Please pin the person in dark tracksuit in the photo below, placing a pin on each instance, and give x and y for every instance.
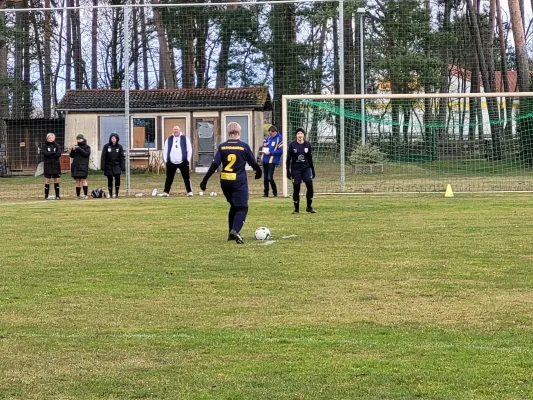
(300, 168)
(233, 154)
(79, 169)
(52, 166)
(113, 163)
(272, 152)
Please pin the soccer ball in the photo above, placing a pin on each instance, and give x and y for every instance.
(262, 233)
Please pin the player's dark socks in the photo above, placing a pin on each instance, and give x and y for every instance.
(46, 190)
(240, 217)
(309, 194)
(296, 207)
(231, 217)
(116, 190)
(85, 190)
(78, 191)
(56, 188)
(110, 191)
(236, 236)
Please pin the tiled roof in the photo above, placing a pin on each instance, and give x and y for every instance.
(467, 74)
(256, 97)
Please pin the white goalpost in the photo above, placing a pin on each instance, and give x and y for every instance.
(415, 142)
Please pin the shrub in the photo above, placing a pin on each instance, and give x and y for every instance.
(367, 154)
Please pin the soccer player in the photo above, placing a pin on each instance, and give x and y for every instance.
(300, 168)
(233, 154)
(52, 167)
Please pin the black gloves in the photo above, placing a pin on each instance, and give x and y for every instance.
(258, 173)
(203, 185)
(313, 172)
(186, 162)
(289, 175)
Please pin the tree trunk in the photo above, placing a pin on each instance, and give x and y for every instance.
(164, 51)
(144, 46)
(68, 47)
(520, 46)
(505, 79)
(40, 62)
(135, 46)
(487, 83)
(4, 100)
(283, 26)
(76, 47)
(202, 23)
(27, 104)
(223, 58)
(94, 47)
(187, 55)
(526, 124)
(47, 89)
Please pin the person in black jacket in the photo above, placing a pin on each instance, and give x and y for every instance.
(52, 167)
(113, 163)
(300, 168)
(79, 168)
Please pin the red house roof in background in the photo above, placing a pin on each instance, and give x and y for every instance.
(512, 77)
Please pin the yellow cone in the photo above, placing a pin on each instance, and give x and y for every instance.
(449, 191)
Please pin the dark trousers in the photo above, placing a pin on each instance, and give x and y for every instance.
(171, 172)
(110, 183)
(268, 178)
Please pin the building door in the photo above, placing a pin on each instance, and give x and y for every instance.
(206, 138)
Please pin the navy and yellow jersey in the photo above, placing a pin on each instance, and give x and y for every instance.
(299, 156)
(234, 155)
(275, 146)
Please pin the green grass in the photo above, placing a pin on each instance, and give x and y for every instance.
(413, 297)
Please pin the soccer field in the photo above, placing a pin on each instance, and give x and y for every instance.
(373, 297)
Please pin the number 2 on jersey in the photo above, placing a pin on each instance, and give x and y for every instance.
(231, 160)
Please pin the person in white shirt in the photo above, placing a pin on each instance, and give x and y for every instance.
(177, 155)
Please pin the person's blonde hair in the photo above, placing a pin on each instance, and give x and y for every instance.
(234, 128)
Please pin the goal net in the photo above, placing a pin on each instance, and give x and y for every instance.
(476, 142)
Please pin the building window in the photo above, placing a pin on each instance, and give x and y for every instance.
(244, 122)
(110, 124)
(143, 133)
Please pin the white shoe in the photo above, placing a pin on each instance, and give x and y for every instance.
(190, 194)
(51, 198)
(108, 196)
(163, 194)
(154, 192)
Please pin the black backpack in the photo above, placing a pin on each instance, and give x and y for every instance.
(97, 193)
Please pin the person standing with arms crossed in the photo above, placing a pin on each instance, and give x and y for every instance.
(177, 155)
(113, 163)
(80, 165)
(300, 168)
(272, 152)
(233, 154)
(52, 166)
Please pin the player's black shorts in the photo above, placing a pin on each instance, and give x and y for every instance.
(80, 177)
(301, 175)
(238, 196)
(49, 176)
